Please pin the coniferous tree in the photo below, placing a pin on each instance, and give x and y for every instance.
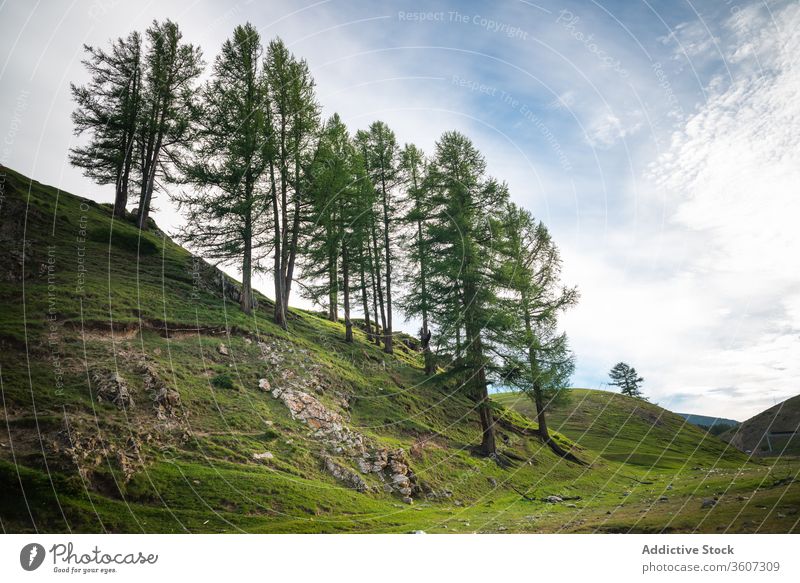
(461, 226)
(226, 217)
(380, 151)
(294, 120)
(418, 300)
(538, 359)
(362, 140)
(108, 108)
(627, 379)
(171, 68)
(331, 186)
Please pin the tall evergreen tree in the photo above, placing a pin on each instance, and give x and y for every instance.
(227, 218)
(627, 379)
(362, 143)
(418, 299)
(171, 68)
(382, 158)
(462, 207)
(108, 108)
(331, 184)
(294, 121)
(538, 357)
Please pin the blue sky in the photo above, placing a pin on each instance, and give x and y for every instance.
(657, 140)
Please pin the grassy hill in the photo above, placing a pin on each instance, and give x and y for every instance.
(619, 428)
(137, 397)
(708, 422)
(773, 432)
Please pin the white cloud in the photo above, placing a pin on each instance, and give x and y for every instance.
(607, 129)
(734, 169)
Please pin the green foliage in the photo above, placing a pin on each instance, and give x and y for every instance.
(627, 379)
(223, 381)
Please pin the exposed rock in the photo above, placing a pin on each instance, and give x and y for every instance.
(553, 499)
(263, 456)
(408, 500)
(264, 385)
(663, 499)
(327, 425)
(223, 350)
(492, 482)
(571, 505)
(112, 387)
(167, 400)
(341, 473)
(399, 479)
(708, 503)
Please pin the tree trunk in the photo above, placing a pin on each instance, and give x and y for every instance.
(533, 366)
(333, 285)
(279, 316)
(121, 198)
(541, 418)
(246, 300)
(291, 256)
(364, 299)
(475, 357)
(377, 267)
(376, 338)
(425, 334)
(387, 331)
(144, 205)
(488, 445)
(348, 324)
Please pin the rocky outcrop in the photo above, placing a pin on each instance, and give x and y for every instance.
(165, 399)
(111, 387)
(390, 466)
(90, 450)
(343, 474)
(327, 425)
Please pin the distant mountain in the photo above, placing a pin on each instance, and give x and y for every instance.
(775, 431)
(706, 421)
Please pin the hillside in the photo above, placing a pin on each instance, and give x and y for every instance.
(773, 432)
(624, 429)
(706, 421)
(137, 397)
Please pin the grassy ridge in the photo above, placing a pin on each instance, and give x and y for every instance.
(85, 296)
(629, 430)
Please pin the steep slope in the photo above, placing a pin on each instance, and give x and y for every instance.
(137, 397)
(775, 431)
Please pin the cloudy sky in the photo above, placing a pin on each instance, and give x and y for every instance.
(657, 140)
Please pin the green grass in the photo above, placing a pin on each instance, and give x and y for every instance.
(619, 428)
(88, 303)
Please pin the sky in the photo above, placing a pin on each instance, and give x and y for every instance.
(658, 141)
